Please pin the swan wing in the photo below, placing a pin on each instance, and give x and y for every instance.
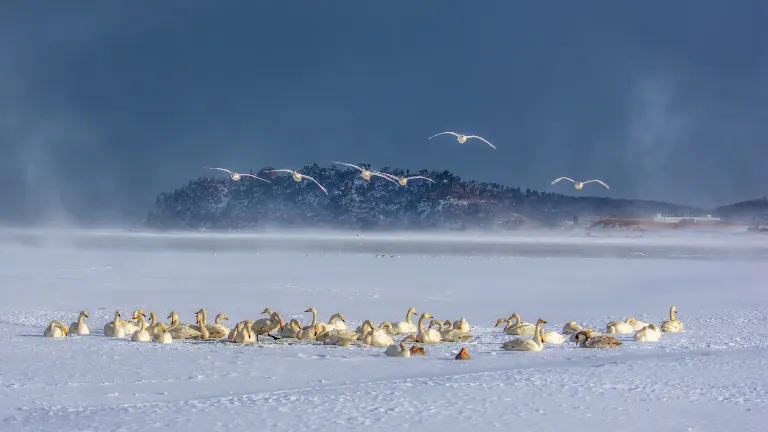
(350, 165)
(481, 139)
(563, 178)
(420, 177)
(597, 181)
(220, 169)
(315, 181)
(256, 177)
(443, 133)
(384, 176)
(283, 170)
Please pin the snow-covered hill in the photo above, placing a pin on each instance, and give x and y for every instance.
(450, 202)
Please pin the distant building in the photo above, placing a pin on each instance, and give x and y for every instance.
(759, 223)
(660, 218)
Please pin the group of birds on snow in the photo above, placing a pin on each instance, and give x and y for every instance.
(366, 174)
(335, 331)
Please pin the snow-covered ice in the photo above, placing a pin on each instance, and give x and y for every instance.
(711, 377)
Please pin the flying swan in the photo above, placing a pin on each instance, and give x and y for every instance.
(463, 138)
(236, 176)
(366, 174)
(298, 176)
(404, 180)
(580, 185)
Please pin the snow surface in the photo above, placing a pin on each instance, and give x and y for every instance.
(712, 377)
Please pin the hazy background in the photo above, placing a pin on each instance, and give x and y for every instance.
(103, 105)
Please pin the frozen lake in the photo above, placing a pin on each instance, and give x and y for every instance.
(711, 377)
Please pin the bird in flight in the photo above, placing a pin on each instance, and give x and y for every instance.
(366, 174)
(404, 180)
(463, 138)
(236, 176)
(580, 185)
(297, 177)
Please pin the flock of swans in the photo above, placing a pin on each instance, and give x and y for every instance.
(336, 332)
(366, 174)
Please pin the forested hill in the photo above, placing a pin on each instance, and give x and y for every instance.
(220, 203)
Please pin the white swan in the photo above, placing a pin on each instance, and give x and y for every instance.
(428, 336)
(79, 327)
(235, 331)
(236, 176)
(552, 338)
(580, 185)
(56, 329)
(571, 327)
(244, 335)
(132, 325)
(114, 329)
(450, 335)
(399, 350)
(520, 344)
(337, 321)
(649, 333)
(673, 325)
(636, 324)
(463, 138)
(264, 326)
(182, 331)
(141, 335)
(378, 337)
(297, 177)
(461, 324)
(520, 328)
(366, 174)
(619, 327)
(289, 330)
(308, 333)
(217, 330)
(404, 180)
(407, 326)
(364, 327)
(340, 338)
(387, 327)
(162, 336)
(203, 330)
(155, 327)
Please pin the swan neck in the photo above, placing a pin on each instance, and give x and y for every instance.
(205, 318)
(80, 319)
(314, 317)
(408, 317)
(279, 319)
(671, 314)
(537, 334)
(116, 322)
(421, 323)
(516, 317)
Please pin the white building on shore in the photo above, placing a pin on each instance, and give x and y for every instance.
(660, 218)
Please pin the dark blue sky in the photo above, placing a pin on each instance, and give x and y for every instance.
(103, 105)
